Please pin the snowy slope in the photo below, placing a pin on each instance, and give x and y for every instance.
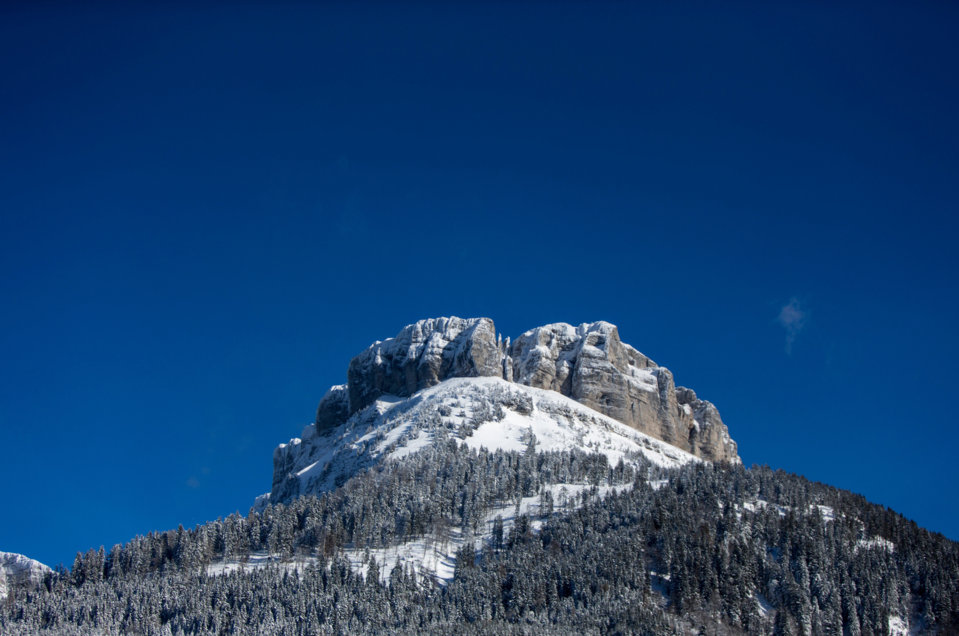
(480, 412)
(16, 569)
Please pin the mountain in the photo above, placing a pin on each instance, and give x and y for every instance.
(17, 570)
(559, 483)
(480, 413)
(572, 387)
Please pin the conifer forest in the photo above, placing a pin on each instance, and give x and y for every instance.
(705, 549)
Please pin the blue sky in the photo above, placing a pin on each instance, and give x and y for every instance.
(206, 210)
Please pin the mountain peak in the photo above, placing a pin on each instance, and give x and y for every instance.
(389, 400)
(588, 363)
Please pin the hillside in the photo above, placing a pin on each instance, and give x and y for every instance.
(701, 548)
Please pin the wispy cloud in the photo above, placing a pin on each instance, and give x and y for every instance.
(793, 317)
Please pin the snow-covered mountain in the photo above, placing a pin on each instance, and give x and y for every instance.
(17, 570)
(559, 483)
(555, 388)
(566, 387)
(486, 413)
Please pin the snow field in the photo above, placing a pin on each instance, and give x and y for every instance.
(486, 413)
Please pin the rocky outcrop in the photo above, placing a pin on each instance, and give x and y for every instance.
(588, 363)
(708, 436)
(334, 408)
(17, 570)
(593, 366)
(423, 355)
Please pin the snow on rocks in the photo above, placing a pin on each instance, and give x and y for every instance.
(587, 363)
(422, 355)
(18, 570)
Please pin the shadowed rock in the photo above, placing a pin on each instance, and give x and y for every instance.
(334, 408)
(423, 355)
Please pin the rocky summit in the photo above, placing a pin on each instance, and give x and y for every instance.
(588, 363)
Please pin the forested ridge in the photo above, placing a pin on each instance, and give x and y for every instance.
(703, 549)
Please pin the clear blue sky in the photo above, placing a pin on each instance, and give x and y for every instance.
(205, 211)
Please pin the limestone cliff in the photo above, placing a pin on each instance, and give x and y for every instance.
(588, 363)
(422, 355)
(593, 366)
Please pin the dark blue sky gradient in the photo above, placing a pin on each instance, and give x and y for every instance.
(205, 212)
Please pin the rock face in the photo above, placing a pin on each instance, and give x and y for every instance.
(17, 570)
(709, 435)
(589, 364)
(334, 408)
(593, 366)
(423, 355)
